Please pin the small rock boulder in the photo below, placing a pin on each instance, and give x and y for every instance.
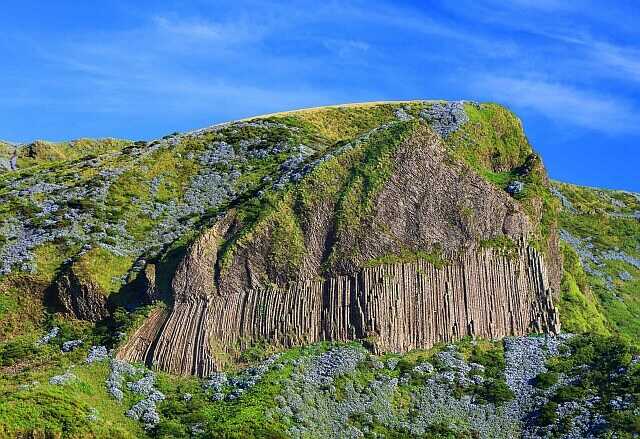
(515, 187)
(84, 300)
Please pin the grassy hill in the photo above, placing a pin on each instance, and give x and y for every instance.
(601, 234)
(101, 210)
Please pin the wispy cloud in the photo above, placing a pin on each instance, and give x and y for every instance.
(560, 102)
(201, 30)
(346, 49)
(194, 58)
(622, 61)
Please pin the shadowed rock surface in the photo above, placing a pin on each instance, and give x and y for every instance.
(80, 298)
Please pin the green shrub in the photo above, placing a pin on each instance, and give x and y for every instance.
(626, 420)
(441, 430)
(404, 366)
(496, 391)
(545, 380)
(16, 350)
(569, 393)
(548, 413)
(170, 428)
(492, 359)
(254, 353)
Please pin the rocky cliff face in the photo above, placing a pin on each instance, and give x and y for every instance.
(83, 299)
(402, 224)
(395, 308)
(437, 254)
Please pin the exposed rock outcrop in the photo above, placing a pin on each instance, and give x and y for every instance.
(427, 202)
(8, 157)
(81, 298)
(146, 284)
(396, 307)
(445, 117)
(178, 341)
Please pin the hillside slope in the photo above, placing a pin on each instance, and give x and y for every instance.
(331, 272)
(601, 232)
(292, 213)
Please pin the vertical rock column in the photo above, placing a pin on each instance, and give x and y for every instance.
(397, 307)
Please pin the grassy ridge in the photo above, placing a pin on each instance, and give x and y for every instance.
(602, 283)
(492, 143)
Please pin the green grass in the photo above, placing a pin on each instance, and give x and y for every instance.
(286, 241)
(41, 152)
(50, 257)
(63, 410)
(579, 309)
(356, 199)
(504, 245)
(343, 123)
(21, 312)
(588, 301)
(492, 141)
(103, 268)
(373, 171)
(273, 221)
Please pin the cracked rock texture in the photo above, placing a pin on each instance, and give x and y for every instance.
(377, 222)
(81, 298)
(427, 202)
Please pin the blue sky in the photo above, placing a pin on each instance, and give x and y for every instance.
(139, 70)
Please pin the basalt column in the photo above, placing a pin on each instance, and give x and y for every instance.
(397, 307)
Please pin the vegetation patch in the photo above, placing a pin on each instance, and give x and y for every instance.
(579, 309)
(434, 257)
(504, 245)
(606, 367)
(493, 144)
(103, 268)
(601, 283)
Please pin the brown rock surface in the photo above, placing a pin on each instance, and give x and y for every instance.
(81, 298)
(428, 202)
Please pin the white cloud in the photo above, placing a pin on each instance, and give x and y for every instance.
(607, 114)
(199, 30)
(621, 60)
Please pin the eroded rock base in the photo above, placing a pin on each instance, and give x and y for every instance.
(395, 307)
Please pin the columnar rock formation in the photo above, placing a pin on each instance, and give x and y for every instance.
(225, 302)
(396, 307)
(321, 264)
